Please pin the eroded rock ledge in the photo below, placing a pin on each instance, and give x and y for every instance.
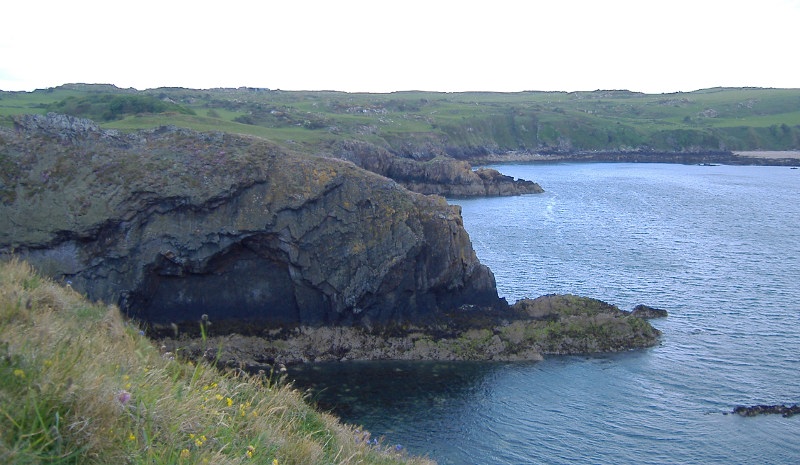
(528, 330)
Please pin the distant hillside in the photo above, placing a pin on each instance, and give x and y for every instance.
(471, 125)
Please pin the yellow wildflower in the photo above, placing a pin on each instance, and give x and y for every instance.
(274, 461)
(218, 397)
(198, 443)
(185, 454)
(229, 401)
(19, 373)
(132, 437)
(250, 451)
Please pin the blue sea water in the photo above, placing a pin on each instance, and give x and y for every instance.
(717, 246)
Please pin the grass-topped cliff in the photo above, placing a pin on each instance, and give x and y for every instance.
(465, 125)
(79, 385)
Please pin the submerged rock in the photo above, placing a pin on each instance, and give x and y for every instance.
(784, 410)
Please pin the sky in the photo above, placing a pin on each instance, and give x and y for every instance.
(651, 46)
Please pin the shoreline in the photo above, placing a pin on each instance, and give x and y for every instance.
(770, 154)
(752, 158)
(528, 331)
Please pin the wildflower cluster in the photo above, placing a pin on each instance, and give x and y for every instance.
(365, 437)
(198, 440)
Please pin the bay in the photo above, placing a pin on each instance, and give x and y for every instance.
(717, 246)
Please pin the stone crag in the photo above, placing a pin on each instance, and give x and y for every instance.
(169, 223)
(440, 175)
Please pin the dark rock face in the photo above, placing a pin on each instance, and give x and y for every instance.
(438, 175)
(172, 224)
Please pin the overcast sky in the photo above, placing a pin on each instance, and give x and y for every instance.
(650, 46)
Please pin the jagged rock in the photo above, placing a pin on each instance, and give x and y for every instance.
(438, 175)
(171, 224)
(54, 124)
(644, 311)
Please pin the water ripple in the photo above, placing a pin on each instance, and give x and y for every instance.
(718, 247)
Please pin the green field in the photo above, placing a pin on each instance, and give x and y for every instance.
(710, 119)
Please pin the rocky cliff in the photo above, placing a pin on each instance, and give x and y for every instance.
(440, 175)
(169, 223)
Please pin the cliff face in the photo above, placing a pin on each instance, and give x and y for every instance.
(440, 175)
(172, 224)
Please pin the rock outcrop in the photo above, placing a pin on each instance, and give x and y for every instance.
(527, 330)
(440, 175)
(570, 324)
(170, 223)
(755, 410)
(647, 312)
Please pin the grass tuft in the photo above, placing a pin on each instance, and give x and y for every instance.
(79, 384)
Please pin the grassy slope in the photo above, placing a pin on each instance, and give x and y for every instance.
(608, 120)
(79, 385)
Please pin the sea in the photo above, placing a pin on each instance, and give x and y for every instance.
(718, 247)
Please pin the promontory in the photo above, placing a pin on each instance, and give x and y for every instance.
(181, 228)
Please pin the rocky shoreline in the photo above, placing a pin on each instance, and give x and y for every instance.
(528, 330)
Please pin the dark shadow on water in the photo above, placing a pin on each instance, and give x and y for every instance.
(355, 391)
